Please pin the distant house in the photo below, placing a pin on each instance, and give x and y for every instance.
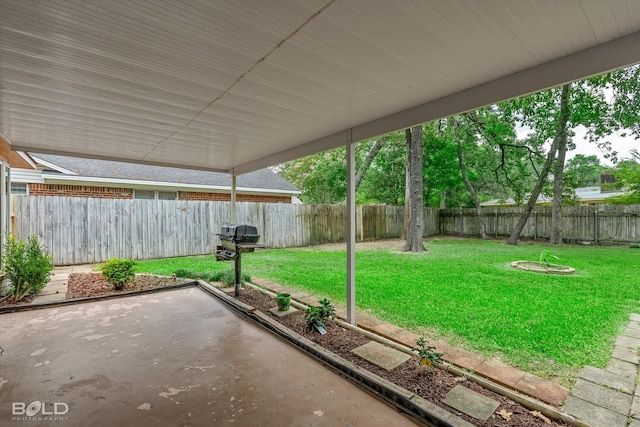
(54, 175)
(586, 195)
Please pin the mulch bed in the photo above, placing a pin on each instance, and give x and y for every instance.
(82, 285)
(6, 301)
(432, 385)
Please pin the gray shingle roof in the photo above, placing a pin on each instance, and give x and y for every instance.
(263, 178)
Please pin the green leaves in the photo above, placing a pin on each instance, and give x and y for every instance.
(317, 316)
(546, 257)
(426, 354)
(27, 266)
(627, 177)
(118, 272)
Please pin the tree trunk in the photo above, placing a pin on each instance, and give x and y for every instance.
(556, 209)
(363, 167)
(372, 155)
(467, 183)
(561, 135)
(407, 197)
(415, 229)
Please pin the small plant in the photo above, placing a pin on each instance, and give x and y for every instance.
(316, 316)
(118, 272)
(227, 277)
(546, 258)
(27, 266)
(634, 245)
(426, 353)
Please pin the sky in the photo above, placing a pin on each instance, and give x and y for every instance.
(623, 145)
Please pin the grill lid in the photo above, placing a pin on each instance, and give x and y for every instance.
(239, 233)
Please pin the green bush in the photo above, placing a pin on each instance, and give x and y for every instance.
(118, 272)
(27, 266)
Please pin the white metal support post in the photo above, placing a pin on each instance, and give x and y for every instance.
(234, 220)
(234, 217)
(351, 232)
(4, 207)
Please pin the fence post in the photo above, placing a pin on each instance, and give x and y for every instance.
(495, 223)
(360, 208)
(535, 225)
(595, 225)
(461, 222)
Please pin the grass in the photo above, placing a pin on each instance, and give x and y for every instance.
(466, 292)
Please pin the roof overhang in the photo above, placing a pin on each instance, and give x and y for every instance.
(156, 185)
(237, 86)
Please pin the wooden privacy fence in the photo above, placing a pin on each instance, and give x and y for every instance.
(89, 230)
(597, 223)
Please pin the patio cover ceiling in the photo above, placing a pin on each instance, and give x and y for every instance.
(236, 86)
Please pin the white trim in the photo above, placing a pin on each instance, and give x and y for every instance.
(130, 183)
(53, 166)
(26, 176)
(27, 158)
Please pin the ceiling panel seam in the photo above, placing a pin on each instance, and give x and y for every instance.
(239, 79)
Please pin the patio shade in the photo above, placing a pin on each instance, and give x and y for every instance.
(236, 86)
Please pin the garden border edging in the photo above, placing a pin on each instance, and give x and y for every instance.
(524, 400)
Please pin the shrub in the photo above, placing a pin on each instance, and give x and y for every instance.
(227, 277)
(118, 272)
(27, 266)
(186, 273)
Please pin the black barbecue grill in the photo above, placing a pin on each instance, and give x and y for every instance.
(235, 240)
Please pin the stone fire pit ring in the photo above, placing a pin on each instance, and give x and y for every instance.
(536, 267)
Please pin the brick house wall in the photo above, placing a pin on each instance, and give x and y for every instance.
(127, 193)
(80, 191)
(196, 195)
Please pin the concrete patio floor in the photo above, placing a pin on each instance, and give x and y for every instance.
(171, 358)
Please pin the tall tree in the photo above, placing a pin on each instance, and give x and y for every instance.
(407, 185)
(384, 181)
(366, 163)
(556, 208)
(321, 177)
(583, 171)
(415, 229)
(463, 169)
(514, 163)
(627, 174)
(368, 160)
(560, 138)
(441, 170)
(587, 104)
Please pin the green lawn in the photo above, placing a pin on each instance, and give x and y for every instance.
(466, 292)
